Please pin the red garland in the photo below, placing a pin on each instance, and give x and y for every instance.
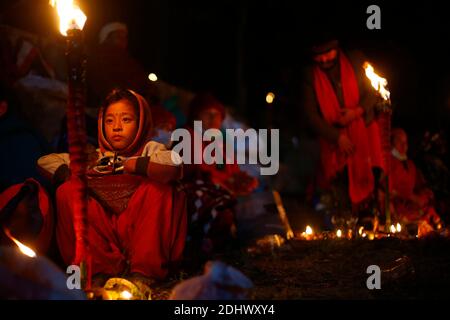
(77, 137)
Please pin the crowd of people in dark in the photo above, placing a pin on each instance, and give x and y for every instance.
(148, 213)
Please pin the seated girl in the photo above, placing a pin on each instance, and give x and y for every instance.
(136, 217)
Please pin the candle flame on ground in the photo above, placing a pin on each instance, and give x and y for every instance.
(339, 233)
(360, 231)
(377, 82)
(70, 15)
(393, 229)
(309, 230)
(23, 248)
(399, 227)
(126, 295)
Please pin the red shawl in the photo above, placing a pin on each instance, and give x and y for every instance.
(365, 139)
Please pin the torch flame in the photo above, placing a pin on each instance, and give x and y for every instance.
(23, 248)
(70, 15)
(378, 82)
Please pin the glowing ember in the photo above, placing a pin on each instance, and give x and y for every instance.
(378, 82)
(152, 77)
(360, 231)
(126, 295)
(270, 97)
(398, 227)
(339, 233)
(309, 231)
(23, 248)
(393, 229)
(70, 15)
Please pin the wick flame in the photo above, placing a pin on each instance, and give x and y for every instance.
(126, 295)
(339, 233)
(23, 248)
(378, 82)
(399, 227)
(360, 231)
(393, 229)
(70, 15)
(309, 230)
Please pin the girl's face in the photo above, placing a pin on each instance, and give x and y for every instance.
(121, 124)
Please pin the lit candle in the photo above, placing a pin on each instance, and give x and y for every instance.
(393, 229)
(23, 248)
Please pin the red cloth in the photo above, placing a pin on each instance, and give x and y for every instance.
(148, 235)
(42, 242)
(366, 140)
(406, 183)
(402, 180)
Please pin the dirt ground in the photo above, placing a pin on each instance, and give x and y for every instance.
(334, 269)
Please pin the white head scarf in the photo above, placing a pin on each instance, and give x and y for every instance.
(111, 27)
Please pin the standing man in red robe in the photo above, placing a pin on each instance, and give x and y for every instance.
(338, 103)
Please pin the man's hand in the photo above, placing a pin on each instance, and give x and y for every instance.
(345, 145)
(348, 115)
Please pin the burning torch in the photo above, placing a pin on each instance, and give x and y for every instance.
(71, 23)
(384, 122)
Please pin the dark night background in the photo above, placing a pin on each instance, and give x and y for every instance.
(240, 50)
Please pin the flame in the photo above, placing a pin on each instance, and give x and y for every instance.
(70, 15)
(360, 231)
(270, 97)
(339, 233)
(393, 229)
(23, 248)
(153, 77)
(398, 227)
(378, 82)
(309, 230)
(126, 295)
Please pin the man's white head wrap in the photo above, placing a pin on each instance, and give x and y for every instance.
(111, 27)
